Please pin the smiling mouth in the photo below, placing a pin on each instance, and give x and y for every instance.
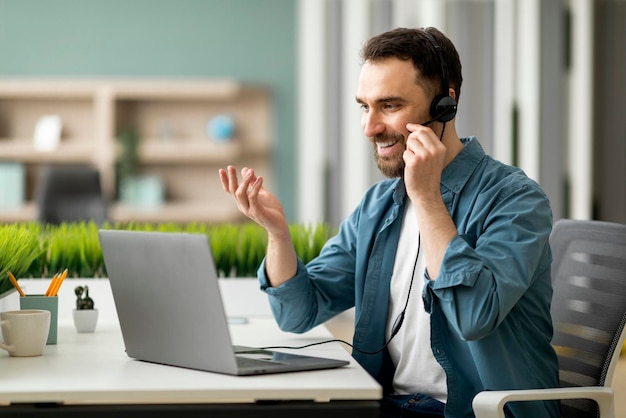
(386, 144)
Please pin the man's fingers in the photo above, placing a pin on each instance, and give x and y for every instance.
(225, 180)
(233, 182)
(254, 189)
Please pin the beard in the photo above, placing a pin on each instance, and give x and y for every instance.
(391, 166)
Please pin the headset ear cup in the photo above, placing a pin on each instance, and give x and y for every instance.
(443, 108)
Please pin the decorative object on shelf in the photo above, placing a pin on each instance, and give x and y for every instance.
(138, 191)
(127, 161)
(12, 176)
(166, 131)
(221, 128)
(85, 315)
(48, 133)
(145, 192)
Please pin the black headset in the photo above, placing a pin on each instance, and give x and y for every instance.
(443, 106)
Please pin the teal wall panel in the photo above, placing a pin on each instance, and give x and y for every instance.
(251, 40)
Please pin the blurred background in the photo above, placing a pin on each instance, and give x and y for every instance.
(271, 84)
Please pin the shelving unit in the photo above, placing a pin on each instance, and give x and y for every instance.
(170, 118)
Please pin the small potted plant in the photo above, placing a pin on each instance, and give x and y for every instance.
(85, 316)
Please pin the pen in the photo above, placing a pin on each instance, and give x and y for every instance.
(17, 286)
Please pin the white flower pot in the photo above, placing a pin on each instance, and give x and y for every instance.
(85, 320)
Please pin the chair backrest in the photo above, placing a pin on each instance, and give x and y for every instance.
(70, 193)
(589, 305)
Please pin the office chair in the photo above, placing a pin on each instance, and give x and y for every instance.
(589, 313)
(70, 193)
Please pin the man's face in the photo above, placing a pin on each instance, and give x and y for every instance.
(390, 99)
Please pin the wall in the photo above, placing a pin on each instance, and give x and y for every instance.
(542, 90)
(249, 40)
(610, 130)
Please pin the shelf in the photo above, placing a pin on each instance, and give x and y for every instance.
(194, 151)
(46, 88)
(121, 88)
(172, 89)
(170, 117)
(169, 212)
(26, 213)
(23, 150)
(173, 212)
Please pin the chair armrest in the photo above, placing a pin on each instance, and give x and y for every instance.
(490, 404)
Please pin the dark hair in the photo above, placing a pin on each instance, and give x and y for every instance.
(413, 44)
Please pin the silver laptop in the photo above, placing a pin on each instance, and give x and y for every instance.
(170, 309)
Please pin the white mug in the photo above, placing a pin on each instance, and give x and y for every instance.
(25, 332)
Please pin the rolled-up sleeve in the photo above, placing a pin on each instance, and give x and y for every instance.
(293, 303)
(491, 264)
(319, 290)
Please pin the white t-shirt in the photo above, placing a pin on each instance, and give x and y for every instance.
(417, 370)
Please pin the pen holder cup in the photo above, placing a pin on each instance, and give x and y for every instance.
(48, 303)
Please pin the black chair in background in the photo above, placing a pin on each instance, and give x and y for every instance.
(70, 193)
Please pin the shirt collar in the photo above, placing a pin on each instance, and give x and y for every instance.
(399, 191)
(458, 172)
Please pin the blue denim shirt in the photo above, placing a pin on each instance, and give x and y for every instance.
(490, 305)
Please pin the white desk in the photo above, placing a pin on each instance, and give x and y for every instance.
(92, 370)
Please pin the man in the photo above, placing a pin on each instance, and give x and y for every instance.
(447, 261)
